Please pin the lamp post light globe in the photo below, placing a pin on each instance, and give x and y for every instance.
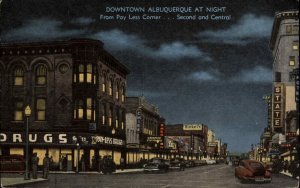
(27, 113)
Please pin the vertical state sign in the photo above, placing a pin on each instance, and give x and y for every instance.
(278, 106)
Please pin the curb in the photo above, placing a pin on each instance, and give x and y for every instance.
(23, 183)
(289, 175)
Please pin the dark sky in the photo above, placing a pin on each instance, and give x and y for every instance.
(195, 71)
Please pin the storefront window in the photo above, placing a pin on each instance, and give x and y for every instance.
(16, 151)
(117, 157)
(103, 153)
(41, 154)
(54, 153)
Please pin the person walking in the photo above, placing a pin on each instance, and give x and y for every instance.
(100, 164)
(34, 165)
(122, 163)
(82, 162)
(46, 166)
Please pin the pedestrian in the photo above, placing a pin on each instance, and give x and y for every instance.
(34, 163)
(94, 163)
(122, 163)
(46, 165)
(82, 162)
(285, 165)
(100, 164)
(65, 163)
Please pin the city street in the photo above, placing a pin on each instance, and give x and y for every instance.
(205, 176)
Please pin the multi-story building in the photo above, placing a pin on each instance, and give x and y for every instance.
(143, 129)
(76, 92)
(190, 140)
(284, 44)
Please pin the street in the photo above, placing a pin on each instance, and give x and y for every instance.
(220, 175)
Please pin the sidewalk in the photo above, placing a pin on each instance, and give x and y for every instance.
(17, 179)
(288, 174)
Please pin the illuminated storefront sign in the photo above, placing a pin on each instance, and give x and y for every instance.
(192, 127)
(59, 138)
(138, 120)
(154, 139)
(212, 144)
(162, 134)
(277, 106)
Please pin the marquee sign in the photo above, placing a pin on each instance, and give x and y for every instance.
(59, 138)
(154, 139)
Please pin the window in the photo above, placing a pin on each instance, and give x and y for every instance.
(19, 76)
(89, 75)
(40, 109)
(89, 109)
(295, 29)
(41, 75)
(295, 45)
(123, 94)
(117, 118)
(110, 87)
(117, 92)
(81, 73)
(104, 120)
(78, 110)
(110, 116)
(288, 29)
(104, 84)
(292, 61)
(277, 76)
(18, 111)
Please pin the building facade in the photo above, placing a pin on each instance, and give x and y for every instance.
(284, 44)
(143, 129)
(76, 92)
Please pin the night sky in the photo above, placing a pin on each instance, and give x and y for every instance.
(196, 71)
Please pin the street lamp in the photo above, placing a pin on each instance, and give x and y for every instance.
(27, 114)
(113, 132)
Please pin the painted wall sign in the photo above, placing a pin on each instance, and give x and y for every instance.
(59, 138)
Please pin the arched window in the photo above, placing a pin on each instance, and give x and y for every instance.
(41, 75)
(40, 109)
(18, 76)
(110, 116)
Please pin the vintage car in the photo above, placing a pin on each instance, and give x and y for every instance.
(177, 164)
(251, 170)
(12, 163)
(189, 163)
(211, 161)
(156, 165)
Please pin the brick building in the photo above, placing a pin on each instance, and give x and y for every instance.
(76, 92)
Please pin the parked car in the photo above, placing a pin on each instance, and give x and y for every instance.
(156, 165)
(251, 170)
(200, 162)
(211, 161)
(178, 164)
(190, 163)
(12, 163)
